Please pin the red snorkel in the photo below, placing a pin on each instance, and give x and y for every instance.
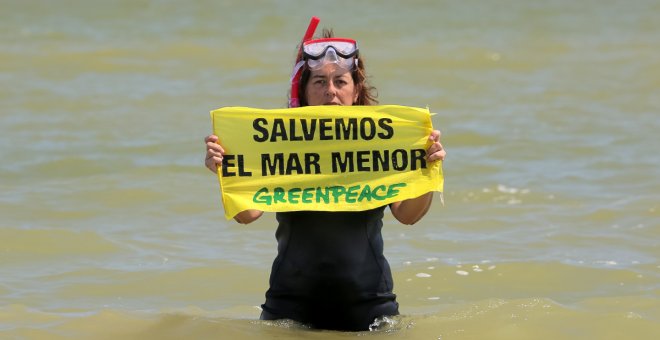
(294, 101)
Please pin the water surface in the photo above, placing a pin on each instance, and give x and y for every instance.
(112, 228)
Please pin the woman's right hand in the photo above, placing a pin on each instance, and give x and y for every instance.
(212, 161)
(214, 153)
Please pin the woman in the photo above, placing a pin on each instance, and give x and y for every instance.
(330, 272)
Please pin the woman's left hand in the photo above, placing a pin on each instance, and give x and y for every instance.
(435, 151)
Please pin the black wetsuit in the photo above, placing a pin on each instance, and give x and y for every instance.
(330, 272)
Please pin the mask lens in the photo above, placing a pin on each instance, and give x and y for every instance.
(331, 57)
(315, 50)
(345, 48)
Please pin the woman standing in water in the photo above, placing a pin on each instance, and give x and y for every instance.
(330, 271)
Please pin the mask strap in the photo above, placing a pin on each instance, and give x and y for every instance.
(296, 69)
(294, 100)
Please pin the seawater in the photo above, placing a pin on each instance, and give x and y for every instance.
(112, 228)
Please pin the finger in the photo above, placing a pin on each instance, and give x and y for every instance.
(217, 158)
(441, 155)
(211, 138)
(213, 153)
(438, 155)
(435, 136)
(212, 143)
(436, 152)
(215, 147)
(433, 148)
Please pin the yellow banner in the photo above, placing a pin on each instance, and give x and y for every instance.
(330, 158)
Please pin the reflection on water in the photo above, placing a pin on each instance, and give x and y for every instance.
(112, 228)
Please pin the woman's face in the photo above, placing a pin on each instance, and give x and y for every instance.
(330, 85)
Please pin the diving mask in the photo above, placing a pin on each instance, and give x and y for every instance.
(340, 51)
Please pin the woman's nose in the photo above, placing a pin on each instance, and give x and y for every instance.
(331, 90)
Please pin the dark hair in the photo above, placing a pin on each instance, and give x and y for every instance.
(366, 93)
